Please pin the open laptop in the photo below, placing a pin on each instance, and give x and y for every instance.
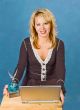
(36, 94)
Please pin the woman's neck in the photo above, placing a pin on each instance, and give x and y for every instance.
(44, 42)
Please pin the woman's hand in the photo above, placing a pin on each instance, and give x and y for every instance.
(5, 90)
(62, 97)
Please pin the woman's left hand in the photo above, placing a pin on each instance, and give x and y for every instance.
(62, 97)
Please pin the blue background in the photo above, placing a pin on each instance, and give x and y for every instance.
(14, 27)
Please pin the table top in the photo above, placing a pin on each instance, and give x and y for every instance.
(15, 103)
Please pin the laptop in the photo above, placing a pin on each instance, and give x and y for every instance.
(38, 94)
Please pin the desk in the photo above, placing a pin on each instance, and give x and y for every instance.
(16, 104)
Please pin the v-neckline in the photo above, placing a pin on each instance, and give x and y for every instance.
(49, 51)
(41, 61)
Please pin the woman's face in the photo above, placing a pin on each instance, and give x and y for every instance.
(42, 27)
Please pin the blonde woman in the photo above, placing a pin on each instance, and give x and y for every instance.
(42, 54)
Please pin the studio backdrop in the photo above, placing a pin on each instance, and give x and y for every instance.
(14, 27)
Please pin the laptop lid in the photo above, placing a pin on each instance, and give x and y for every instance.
(30, 94)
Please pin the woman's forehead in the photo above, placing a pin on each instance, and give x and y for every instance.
(43, 16)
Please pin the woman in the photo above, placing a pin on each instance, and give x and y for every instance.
(42, 54)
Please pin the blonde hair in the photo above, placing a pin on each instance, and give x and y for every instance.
(48, 16)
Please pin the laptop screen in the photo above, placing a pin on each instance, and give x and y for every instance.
(40, 93)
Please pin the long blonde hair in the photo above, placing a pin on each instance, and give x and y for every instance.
(48, 16)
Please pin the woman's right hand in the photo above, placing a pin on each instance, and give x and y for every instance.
(62, 97)
(5, 90)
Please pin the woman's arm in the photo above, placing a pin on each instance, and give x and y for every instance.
(22, 62)
(60, 64)
(60, 68)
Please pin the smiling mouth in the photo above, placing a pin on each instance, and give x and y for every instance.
(42, 32)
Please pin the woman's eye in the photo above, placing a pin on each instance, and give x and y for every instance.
(38, 24)
(46, 23)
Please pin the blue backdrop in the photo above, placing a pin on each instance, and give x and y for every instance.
(14, 27)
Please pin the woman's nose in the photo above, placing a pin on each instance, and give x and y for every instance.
(42, 26)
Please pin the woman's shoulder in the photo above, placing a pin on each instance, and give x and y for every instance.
(25, 42)
(27, 39)
(59, 41)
